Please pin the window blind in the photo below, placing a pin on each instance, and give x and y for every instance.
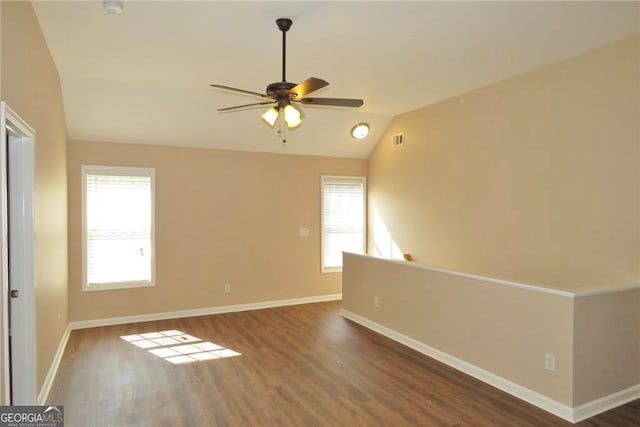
(343, 219)
(118, 218)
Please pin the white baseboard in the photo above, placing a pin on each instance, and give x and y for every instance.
(53, 369)
(83, 324)
(571, 414)
(598, 406)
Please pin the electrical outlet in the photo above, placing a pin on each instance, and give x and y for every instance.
(227, 287)
(549, 362)
(376, 301)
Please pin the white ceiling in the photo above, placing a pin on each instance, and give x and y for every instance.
(143, 76)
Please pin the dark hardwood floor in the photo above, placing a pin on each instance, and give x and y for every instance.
(299, 366)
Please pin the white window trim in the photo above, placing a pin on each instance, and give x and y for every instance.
(346, 178)
(117, 170)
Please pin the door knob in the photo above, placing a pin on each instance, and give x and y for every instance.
(14, 293)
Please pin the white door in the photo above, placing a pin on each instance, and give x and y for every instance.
(18, 264)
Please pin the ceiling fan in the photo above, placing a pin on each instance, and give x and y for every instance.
(284, 94)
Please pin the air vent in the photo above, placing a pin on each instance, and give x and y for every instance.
(397, 139)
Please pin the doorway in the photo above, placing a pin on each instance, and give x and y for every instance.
(17, 259)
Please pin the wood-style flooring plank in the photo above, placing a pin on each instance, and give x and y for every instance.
(299, 366)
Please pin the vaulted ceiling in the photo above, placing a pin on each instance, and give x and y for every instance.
(143, 76)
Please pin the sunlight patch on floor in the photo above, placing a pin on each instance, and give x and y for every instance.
(177, 347)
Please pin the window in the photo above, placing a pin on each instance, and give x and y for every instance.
(118, 227)
(343, 219)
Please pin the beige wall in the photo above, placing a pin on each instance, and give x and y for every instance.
(221, 217)
(499, 328)
(535, 179)
(607, 344)
(31, 87)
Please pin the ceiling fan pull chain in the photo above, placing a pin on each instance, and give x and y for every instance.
(282, 133)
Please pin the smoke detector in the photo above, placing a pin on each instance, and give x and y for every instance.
(114, 7)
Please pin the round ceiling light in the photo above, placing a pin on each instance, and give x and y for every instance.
(360, 130)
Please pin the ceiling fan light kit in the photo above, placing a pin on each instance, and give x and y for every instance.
(284, 94)
(292, 116)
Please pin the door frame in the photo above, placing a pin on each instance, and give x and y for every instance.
(17, 192)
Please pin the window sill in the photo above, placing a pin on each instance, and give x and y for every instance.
(114, 286)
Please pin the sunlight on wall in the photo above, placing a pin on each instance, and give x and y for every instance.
(177, 347)
(383, 244)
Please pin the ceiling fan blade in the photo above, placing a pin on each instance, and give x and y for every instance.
(237, 107)
(240, 90)
(336, 102)
(306, 87)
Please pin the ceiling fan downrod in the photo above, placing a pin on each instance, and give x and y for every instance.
(284, 24)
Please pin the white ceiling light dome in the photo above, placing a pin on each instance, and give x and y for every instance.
(360, 131)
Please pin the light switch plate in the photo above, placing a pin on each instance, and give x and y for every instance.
(303, 232)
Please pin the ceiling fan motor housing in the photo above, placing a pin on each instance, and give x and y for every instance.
(280, 89)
